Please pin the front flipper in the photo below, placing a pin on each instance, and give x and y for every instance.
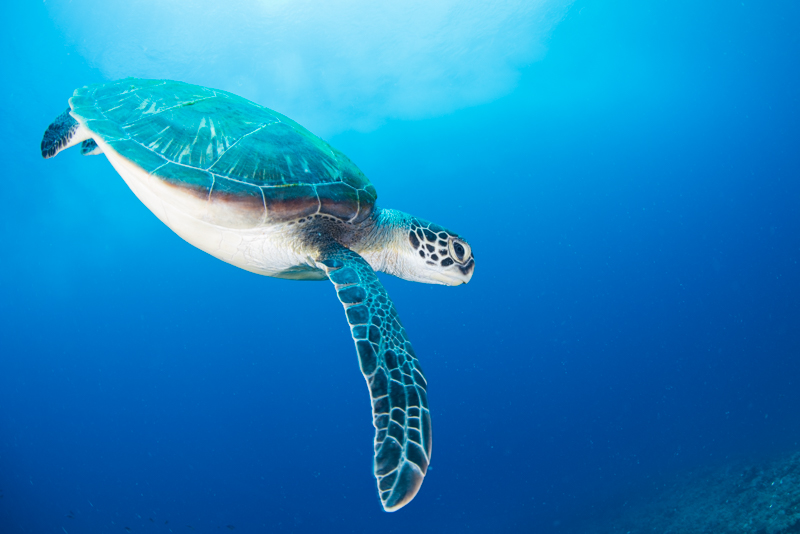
(396, 384)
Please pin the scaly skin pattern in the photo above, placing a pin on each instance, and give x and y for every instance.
(397, 385)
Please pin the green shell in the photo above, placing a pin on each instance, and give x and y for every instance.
(223, 147)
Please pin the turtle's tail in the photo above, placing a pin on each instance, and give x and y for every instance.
(63, 133)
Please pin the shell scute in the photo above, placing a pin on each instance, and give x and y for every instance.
(245, 160)
(133, 151)
(193, 135)
(285, 203)
(108, 130)
(195, 181)
(339, 200)
(83, 101)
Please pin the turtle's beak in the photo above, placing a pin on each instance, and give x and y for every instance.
(467, 270)
(462, 274)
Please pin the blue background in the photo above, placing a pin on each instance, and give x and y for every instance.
(633, 205)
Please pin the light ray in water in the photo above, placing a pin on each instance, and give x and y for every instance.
(355, 62)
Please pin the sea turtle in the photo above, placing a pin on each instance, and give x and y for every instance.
(257, 190)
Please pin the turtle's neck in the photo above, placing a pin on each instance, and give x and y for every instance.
(379, 240)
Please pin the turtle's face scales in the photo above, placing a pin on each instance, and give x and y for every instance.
(440, 256)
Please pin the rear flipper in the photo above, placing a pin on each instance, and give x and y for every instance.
(63, 133)
(90, 148)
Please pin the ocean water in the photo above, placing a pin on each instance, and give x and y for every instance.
(627, 173)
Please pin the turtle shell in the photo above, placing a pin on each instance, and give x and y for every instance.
(226, 149)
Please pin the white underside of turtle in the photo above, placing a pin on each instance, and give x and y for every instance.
(267, 250)
(256, 190)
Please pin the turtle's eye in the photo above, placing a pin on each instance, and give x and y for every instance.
(459, 250)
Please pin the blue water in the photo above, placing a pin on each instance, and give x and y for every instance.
(632, 195)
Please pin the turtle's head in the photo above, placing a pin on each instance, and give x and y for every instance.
(436, 255)
(422, 251)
